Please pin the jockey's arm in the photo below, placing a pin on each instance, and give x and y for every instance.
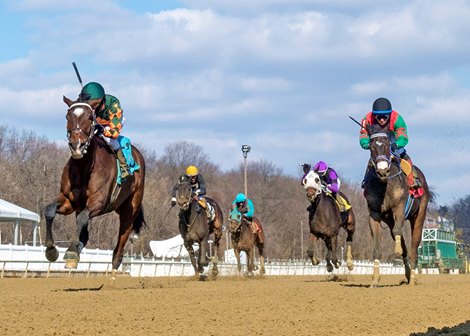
(333, 181)
(201, 190)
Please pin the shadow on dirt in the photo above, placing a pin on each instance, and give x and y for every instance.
(458, 330)
(79, 289)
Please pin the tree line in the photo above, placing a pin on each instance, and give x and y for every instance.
(32, 165)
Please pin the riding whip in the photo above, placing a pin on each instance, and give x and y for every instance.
(357, 122)
(77, 73)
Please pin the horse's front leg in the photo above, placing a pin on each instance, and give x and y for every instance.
(72, 255)
(376, 232)
(215, 258)
(59, 206)
(311, 250)
(236, 250)
(250, 256)
(189, 247)
(397, 231)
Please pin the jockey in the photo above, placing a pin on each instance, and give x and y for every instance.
(198, 187)
(245, 206)
(109, 116)
(383, 114)
(329, 179)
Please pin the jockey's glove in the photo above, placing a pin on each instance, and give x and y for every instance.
(173, 201)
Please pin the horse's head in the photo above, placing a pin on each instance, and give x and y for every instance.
(380, 152)
(184, 192)
(235, 219)
(80, 126)
(312, 185)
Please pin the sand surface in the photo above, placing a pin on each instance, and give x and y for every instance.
(233, 306)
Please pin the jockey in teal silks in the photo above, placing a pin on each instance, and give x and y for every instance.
(245, 206)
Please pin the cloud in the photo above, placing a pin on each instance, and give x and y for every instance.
(282, 76)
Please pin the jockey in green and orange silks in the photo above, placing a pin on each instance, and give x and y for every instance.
(110, 116)
(383, 115)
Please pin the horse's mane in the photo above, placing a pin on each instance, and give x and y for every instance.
(376, 128)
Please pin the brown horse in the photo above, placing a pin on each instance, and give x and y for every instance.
(243, 239)
(325, 220)
(195, 227)
(388, 199)
(89, 187)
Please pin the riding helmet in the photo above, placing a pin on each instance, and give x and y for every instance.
(92, 90)
(321, 167)
(192, 171)
(240, 198)
(382, 106)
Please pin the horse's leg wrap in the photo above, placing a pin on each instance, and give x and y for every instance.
(398, 249)
(376, 273)
(349, 257)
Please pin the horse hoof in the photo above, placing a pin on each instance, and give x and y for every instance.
(262, 271)
(71, 260)
(350, 266)
(52, 254)
(215, 272)
(329, 268)
(202, 277)
(315, 261)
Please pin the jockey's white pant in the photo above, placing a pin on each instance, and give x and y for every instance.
(114, 143)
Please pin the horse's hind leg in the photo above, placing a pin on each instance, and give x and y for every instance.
(215, 259)
(262, 269)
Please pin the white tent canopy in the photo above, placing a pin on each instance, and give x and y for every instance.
(12, 213)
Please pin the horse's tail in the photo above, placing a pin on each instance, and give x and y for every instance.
(139, 221)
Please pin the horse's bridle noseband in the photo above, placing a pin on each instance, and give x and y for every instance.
(380, 158)
(78, 129)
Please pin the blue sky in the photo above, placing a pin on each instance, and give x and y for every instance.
(282, 76)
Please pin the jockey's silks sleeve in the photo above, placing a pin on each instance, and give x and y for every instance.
(111, 117)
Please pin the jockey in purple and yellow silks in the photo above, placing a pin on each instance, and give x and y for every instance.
(383, 114)
(330, 180)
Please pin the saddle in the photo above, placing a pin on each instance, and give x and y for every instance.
(341, 202)
(408, 170)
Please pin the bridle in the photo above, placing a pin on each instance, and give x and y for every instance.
(382, 161)
(237, 217)
(83, 148)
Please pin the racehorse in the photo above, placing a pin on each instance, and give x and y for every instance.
(243, 239)
(389, 200)
(325, 220)
(89, 187)
(195, 227)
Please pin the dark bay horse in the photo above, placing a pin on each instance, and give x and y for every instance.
(195, 227)
(243, 239)
(389, 200)
(325, 220)
(87, 185)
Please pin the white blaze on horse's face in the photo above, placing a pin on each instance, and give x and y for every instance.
(78, 111)
(312, 184)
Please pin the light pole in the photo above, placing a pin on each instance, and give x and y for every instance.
(245, 150)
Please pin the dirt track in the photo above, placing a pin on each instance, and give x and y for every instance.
(232, 306)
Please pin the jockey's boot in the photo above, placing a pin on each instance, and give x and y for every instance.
(412, 177)
(122, 164)
(339, 200)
